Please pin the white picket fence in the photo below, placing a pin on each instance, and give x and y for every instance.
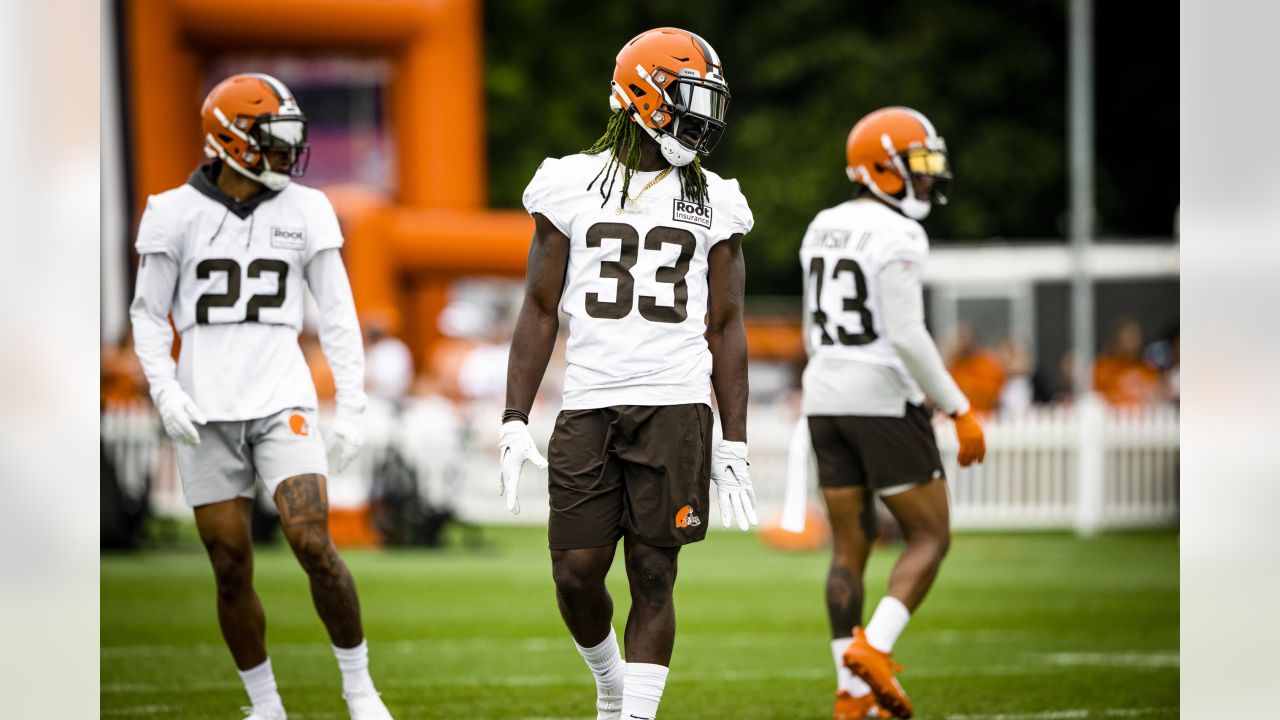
(1031, 478)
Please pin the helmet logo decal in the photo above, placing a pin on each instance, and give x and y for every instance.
(686, 519)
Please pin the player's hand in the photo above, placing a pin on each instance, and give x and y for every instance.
(348, 438)
(732, 479)
(180, 416)
(515, 446)
(973, 445)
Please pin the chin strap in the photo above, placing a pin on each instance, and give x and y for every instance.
(672, 149)
(270, 178)
(675, 153)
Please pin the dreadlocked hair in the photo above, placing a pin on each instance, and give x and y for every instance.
(622, 139)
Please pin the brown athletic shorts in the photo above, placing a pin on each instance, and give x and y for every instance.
(875, 452)
(630, 468)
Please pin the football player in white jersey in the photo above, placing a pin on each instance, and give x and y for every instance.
(642, 249)
(228, 253)
(871, 363)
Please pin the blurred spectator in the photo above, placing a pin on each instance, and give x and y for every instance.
(122, 380)
(1120, 374)
(1056, 384)
(388, 362)
(977, 370)
(1164, 355)
(1017, 394)
(483, 372)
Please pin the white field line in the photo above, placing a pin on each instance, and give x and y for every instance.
(1071, 714)
(137, 710)
(1114, 659)
(537, 644)
(166, 710)
(1036, 665)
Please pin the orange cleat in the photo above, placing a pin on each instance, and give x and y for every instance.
(876, 669)
(849, 707)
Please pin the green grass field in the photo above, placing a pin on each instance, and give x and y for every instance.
(1034, 626)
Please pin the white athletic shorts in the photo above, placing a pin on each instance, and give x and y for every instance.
(230, 454)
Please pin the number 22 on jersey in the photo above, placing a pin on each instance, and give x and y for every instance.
(231, 295)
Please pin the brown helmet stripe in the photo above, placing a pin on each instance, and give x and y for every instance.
(708, 54)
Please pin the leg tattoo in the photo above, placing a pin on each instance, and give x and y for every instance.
(304, 515)
(844, 600)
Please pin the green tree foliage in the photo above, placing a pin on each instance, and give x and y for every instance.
(991, 76)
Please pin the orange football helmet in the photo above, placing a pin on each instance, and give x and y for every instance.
(247, 115)
(889, 147)
(672, 84)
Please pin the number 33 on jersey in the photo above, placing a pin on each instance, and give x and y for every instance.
(636, 282)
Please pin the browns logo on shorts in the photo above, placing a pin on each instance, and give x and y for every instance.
(637, 469)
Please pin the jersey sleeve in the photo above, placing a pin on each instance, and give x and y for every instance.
(741, 221)
(909, 246)
(902, 303)
(339, 329)
(324, 232)
(155, 234)
(548, 195)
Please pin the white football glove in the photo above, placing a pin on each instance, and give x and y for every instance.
(733, 484)
(515, 446)
(180, 415)
(348, 438)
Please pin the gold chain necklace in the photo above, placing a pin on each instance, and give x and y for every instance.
(657, 179)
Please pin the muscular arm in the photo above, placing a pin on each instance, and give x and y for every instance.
(149, 312)
(902, 304)
(727, 336)
(539, 320)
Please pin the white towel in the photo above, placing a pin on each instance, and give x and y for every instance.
(796, 503)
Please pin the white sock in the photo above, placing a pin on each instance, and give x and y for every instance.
(888, 622)
(606, 664)
(354, 665)
(643, 691)
(845, 679)
(260, 683)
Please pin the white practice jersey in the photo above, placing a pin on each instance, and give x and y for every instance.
(636, 284)
(238, 303)
(853, 365)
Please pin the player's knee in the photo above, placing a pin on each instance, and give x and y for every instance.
(575, 579)
(232, 566)
(944, 544)
(848, 556)
(313, 548)
(652, 582)
(935, 541)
